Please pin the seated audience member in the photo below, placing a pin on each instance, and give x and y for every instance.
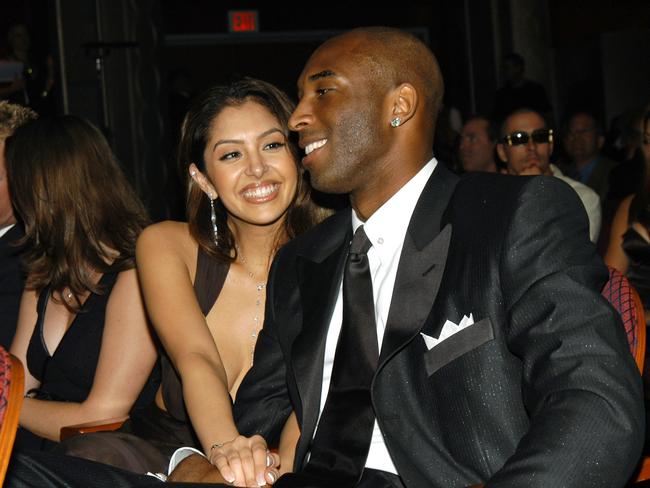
(33, 87)
(478, 140)
(443, 332)
(625, 178)
(445, 141)
(629, 245)
(12, 277)
(82, 333)
(518, 91)
(623, 137)
(582, 139)
(526, 146)
(247, 197)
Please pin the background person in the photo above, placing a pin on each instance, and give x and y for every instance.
(477, 148)
(12, 277)
(629, 246)
(583, 138)
(518, 91)
(82, 330)
(526, 147)
(33, 88)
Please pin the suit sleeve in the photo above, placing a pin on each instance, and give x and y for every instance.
(262, 405)
(580, 384)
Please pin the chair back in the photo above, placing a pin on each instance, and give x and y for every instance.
(12, 378)
(625, 299)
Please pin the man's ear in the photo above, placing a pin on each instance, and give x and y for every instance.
(501, 151)
(202, 181)
(404, 102)
(601, 142)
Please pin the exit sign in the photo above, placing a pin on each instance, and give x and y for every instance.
(243, 21)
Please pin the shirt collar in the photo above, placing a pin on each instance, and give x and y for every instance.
(387, 227)
(586, 171)
(6, 229)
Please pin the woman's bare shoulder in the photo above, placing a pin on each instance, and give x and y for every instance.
(166, 235)
(170, 239)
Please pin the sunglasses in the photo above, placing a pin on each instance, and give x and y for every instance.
(521, 138)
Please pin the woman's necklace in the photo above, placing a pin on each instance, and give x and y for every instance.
(259, 288)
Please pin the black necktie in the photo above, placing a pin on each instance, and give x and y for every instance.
(340, 447)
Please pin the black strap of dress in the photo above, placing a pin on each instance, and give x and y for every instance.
(209, 280)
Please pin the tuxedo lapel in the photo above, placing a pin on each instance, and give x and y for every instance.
(421, 264)
(319, 273)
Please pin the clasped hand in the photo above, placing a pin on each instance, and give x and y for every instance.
(246, 461)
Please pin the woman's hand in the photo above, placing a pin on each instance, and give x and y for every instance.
(246, 461)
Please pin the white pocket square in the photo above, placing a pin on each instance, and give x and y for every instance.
(448, 329)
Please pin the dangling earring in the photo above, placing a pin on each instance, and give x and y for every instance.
(213, 218)
(395, 122)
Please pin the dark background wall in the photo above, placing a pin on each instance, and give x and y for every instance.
(585, 52)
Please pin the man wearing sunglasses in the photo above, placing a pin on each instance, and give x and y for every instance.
(526, 145)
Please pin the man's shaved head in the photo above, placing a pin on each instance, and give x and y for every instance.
(394, 56)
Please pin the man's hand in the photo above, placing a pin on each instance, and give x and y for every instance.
(246, 461)
(196, 469)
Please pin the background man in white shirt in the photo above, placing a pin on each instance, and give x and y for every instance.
(526, 146)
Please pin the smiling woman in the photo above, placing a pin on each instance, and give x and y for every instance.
(204, 281)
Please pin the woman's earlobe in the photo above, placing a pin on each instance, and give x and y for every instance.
(202, 181)
(193, 170)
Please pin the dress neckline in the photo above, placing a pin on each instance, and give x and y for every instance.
(633, 230)
(84, 305)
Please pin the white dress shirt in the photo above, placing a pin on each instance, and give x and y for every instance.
(386, 229)
(589, 198)
(6, 229)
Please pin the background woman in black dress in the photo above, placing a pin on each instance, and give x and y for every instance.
(629, 248)
(82, 329)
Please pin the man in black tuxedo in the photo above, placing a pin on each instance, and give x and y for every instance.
(485, 355)
(499, 363)
(534, 385)
(11, 276)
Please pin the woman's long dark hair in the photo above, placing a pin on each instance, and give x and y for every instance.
(302, 213)
(640, 205)
(79, 211)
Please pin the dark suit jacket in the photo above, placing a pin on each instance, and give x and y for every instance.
(599, 178)
(540, 391)
(12, 280)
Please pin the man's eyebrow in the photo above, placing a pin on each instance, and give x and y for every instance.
(321, 74)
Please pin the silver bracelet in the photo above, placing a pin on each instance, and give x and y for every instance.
(216, 445)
